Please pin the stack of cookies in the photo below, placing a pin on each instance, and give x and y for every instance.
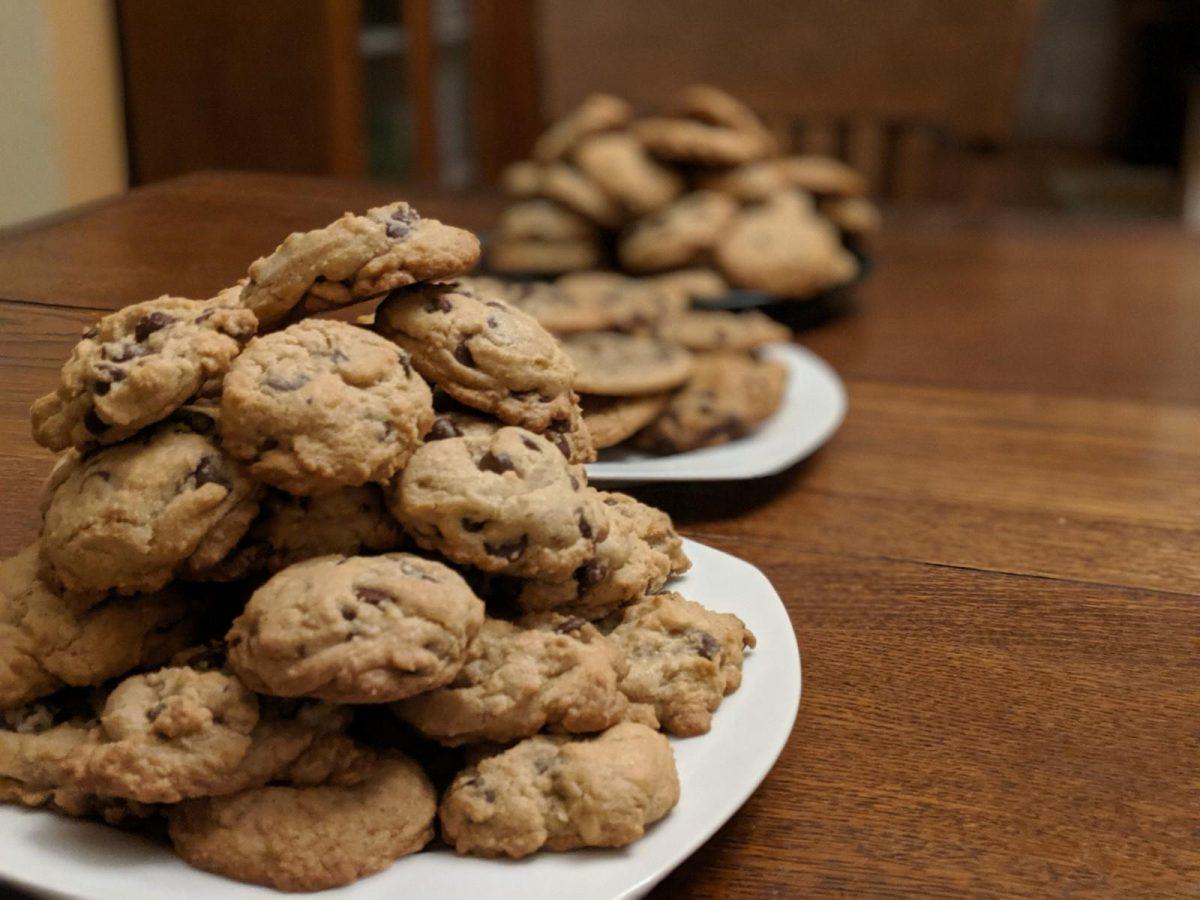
(308, 592)
(703, 184)
(654, 373)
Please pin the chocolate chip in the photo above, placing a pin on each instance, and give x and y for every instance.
(492, 322)
(530, 443)
(204, 316)
(277, 381)
(572, 624)
(511, 551)
(560, 441)
(574, 482)
(590, 574)
(709, 646)
(405, 363)
(210, 470)
(489, 796)
(267, 445)
(100, 388)
(155, 711)
(150, 323)
(94, 423)
(349, 613)
(443, 428)
(402, 222)
(473, 524)
(91, 333)
(462, 353)
(585, 527)
(374, 596)
(438, 303)
(496, 462)
(498, 305)
(338, 356)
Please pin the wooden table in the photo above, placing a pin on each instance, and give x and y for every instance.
(993, 569)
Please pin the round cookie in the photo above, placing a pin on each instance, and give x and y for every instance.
(716, 107)
(718, 329)
(323, 404)
(290, 529)
(556, 673)
(784, 248)
(823, 176)
(621, 365)
(542, 257)
(559, 794)
(617, 303)
(754, 182)
(137, 365)
(355, 258)
(360, 629)
(689, 141)
(132, 516)
(611, 420)
(597, 112)
(311, 837)
(489, 356)
(504, 502)
(677, 236)
(625, 171)
(543, 220)
(167, 735)
(555, 310)
(727, 396)
(683, 659)
(574, 190)
(47, 640)
(641, 551)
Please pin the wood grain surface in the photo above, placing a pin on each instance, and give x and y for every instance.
(992, 568)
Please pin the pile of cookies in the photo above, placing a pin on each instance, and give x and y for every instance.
(653, 372)
(703, 184)
(307, 592)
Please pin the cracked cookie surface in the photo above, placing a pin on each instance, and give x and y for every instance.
(503, 502)
(492, 357)
(137, 365)
(323, 404)
(560, 794)
(554, 672)
(131, 516)
(360, 629)
(355, 258)
(683, 659)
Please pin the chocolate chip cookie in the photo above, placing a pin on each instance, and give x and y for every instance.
(355, 258)
(784, 248)
(691, 141)
(569, 187)
(131, 516)
(620, 165)
(506, 502)
(323, 404)
(490, 356)
(692, 284)
(823, 176)
(728, 395)
(611, 420)
(617, 303)
(683, 659)
(47, 640)
(290, 529)
(543, 220)
(359, 629)
(717, 329)
(311, 837)
(679, 235)
(706, 103)
(557, 673)
(597, 112)
(137, 365)
(559, 794)
(622, 365)
(640, 552)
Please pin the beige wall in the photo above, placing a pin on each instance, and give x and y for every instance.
(61, 129)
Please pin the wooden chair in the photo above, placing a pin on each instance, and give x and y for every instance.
(911, 92)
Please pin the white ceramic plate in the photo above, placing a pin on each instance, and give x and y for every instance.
(814, 404)
(52, 855)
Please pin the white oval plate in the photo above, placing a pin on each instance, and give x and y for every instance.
(814, 404)
(49, 854)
